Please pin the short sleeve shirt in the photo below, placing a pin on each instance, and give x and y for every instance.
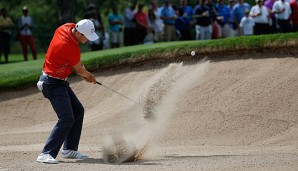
(278, 6)
(142, 18)
(168, 12)
(114, 17)
(263, 18)
(223, 11)
(294, 8)
(239, 10)
(6, 22)
(247, 23)
(63, 53)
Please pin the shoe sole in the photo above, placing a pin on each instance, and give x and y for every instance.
(75, 158)
(71, 155)
(47, 162)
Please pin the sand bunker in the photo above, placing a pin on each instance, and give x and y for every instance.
(227, 114)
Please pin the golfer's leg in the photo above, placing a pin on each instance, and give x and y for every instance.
(62, 105)
(73, 138)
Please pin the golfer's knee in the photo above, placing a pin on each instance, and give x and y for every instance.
(68, 121)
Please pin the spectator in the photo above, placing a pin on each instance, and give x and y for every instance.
(129, 25)
(6, 25)
(223, 19)
(152, 24)
(232, 21)
(182, 25)
(99, 29)
(239, 12)
(212, 8)
(149, 39)
(294, 16)
(260, 15)
(198, 5)
(169, 16)
(115, 21)
(141, 24)
(282, 11)
(91, 7)
(26, 33)
(94, 15)
(272, 21)
(213, 15)
(187, 14)
(158, 24)
(247, 24)
(187, 10)
(197, 27)
(215, 31)
(204, 21)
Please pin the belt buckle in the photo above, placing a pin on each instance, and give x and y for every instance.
(47, 75)
(62, 79)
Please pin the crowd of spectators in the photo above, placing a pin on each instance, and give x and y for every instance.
(208, 19)
(25, 27)
(161, 21)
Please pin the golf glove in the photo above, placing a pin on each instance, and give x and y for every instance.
(39, 85)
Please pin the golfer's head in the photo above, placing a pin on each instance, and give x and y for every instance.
(86, 29)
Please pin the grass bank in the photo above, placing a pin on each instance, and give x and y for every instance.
(20, 74)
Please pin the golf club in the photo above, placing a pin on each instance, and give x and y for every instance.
(119, 94)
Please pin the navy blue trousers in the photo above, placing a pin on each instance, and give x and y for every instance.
(70, 113)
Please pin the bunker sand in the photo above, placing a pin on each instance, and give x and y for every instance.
(241, 114)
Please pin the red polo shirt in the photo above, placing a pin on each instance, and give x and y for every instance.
(294, 8)
(63, 53)
(142, 17)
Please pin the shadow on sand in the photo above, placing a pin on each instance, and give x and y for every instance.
(101, 161)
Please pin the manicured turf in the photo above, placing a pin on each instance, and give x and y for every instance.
(18, 74)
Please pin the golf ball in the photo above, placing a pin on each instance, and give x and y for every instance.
(193, 53)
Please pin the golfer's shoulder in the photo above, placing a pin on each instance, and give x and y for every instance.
(64, 36)
(63, 44)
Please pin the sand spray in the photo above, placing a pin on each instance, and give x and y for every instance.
(158, 98)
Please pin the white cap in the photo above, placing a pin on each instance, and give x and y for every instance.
(86, 27)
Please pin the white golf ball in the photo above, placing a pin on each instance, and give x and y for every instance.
(193, 53)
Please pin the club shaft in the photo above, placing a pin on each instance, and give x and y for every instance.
(118, 93)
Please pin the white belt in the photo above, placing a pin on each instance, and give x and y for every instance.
(47, 75)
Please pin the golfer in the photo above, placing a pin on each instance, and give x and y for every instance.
(62, 57)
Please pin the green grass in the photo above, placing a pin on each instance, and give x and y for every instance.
(19, 74)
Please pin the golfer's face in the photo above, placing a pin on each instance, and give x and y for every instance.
(82, 39)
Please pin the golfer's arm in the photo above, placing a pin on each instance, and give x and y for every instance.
(80, 70)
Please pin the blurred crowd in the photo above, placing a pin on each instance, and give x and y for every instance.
(25, 26)
(163, 21)
(209, 19)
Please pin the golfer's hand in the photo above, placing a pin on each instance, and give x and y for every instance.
(80, 70)
(90, 78)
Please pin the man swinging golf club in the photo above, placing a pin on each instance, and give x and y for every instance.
(62, 57)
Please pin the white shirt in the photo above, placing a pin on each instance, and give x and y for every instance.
(128, 16)
(159, 22)
(263, 18)
(279, 6)
(26, 20)
(247, 23)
